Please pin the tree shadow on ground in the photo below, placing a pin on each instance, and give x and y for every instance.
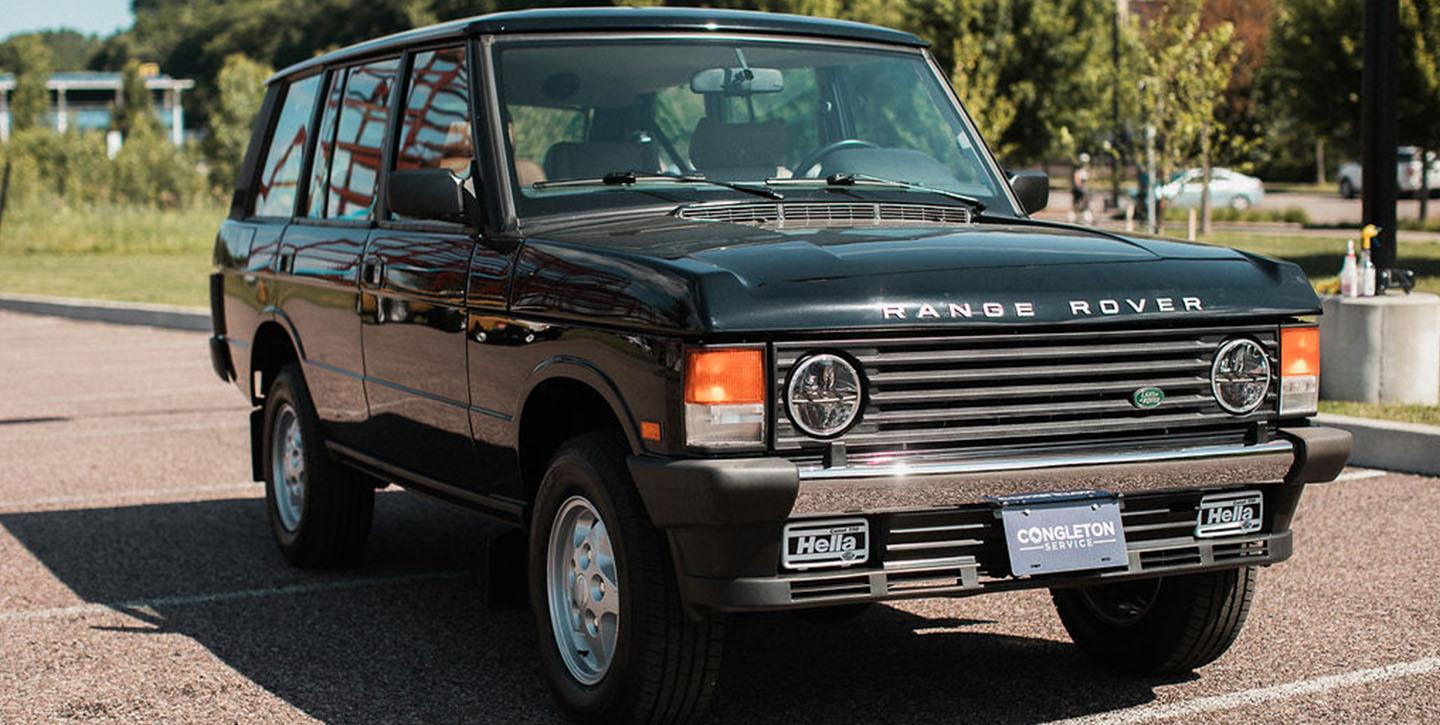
(402, 648)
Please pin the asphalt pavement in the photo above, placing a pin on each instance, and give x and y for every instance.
(138, 582)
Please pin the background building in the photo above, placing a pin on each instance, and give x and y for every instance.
(86, 101)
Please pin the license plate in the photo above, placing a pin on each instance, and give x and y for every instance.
(828, 543)
(1048, 533)
(1223, 514)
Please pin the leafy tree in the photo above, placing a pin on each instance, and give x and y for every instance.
(69, 50)
(30, 62)
(240, 91)
(135, 115)
(1187, 72)
(1419, 82)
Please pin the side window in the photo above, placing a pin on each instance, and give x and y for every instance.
(325, 147)
(359, 139)
(280, 170)
(435, 129)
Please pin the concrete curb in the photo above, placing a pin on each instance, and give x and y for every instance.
(1389, 445)
(195, 319)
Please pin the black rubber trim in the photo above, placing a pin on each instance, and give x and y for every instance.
(772, 593)
(715, 492)
(220, 358)
(1320, 453)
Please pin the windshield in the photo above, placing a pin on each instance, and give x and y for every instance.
(744, 112)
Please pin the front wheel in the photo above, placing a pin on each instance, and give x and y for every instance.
(615, 643)
(1240, 202)
(1165, 625)
(1347, 189)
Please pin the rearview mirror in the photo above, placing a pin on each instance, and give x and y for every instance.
(1032, 188)
(432, 194)
(738, 80)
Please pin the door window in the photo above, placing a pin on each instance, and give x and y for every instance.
(435, 130)
(359, 139)
(324, 147)
(280, 172)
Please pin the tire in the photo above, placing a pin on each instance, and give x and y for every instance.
(328, 524)
(1347, 189)
(1161, 626)
(661, 665)
(1240, 202)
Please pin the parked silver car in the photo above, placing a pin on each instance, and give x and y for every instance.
(1407, 173)
(1227, 188)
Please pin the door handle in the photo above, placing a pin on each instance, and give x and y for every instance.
(372, 272)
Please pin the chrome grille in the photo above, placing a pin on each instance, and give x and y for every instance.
(928, 395)
(825, 214)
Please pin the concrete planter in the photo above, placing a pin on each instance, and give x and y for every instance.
(1381, 349)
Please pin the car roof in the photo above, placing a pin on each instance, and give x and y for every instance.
(558, 20)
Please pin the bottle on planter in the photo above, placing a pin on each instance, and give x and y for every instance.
(1349, 272)
(1367, 270)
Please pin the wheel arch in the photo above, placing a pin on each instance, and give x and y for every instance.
(274, 345)
(565, 397)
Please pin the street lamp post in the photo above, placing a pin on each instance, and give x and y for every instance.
(1378, 126)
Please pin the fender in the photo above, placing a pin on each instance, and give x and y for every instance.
(581, 371)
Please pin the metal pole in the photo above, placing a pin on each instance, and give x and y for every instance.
(1378, 125)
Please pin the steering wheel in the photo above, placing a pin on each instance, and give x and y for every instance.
(818, 155)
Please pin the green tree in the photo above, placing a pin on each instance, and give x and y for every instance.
(30, 99)
(240, 89)
(135, 115)
(1187, 71)
(1419, 83)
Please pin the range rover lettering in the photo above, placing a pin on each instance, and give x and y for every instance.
(728, 312)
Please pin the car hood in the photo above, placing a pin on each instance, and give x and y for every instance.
(701, 277)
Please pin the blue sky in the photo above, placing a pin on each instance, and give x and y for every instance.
(100, 17)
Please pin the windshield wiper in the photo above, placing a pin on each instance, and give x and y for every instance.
(625, 178)
(849, 179)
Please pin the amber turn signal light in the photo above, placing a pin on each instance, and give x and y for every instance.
(725, 376)
(1299, 351)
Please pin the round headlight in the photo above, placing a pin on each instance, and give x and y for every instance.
(1240, 376)
(823, 395)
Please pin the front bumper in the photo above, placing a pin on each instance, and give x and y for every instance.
(724, 516)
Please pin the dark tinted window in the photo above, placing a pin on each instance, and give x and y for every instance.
(435, 129)
(325, 146)
(359, 138)
(280, 171)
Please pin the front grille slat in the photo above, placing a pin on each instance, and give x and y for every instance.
(932, 394)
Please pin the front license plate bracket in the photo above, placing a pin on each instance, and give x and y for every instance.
(1070, 531)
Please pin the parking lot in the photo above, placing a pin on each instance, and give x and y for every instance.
(138, 582)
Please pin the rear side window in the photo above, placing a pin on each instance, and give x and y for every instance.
(435, 130)
(359, 138)
(325, 146)
(280, 170)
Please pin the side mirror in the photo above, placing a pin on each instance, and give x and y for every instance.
(432, 194)
(1033, 189)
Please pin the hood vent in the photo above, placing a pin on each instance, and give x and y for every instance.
(827, 214)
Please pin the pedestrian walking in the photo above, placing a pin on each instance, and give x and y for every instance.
(1080, 193)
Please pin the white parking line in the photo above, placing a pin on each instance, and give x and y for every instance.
(228, 424)
(18, 505)
(150, 606)
(1259, 695)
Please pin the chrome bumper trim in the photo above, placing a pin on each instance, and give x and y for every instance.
(895, 485)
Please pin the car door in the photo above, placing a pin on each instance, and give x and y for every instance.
(319, 257)
(413, 282)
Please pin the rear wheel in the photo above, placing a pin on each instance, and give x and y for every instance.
(1164, 625)
(1240, 202)
(615, 644)
(1347, 189)
(319, 513)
